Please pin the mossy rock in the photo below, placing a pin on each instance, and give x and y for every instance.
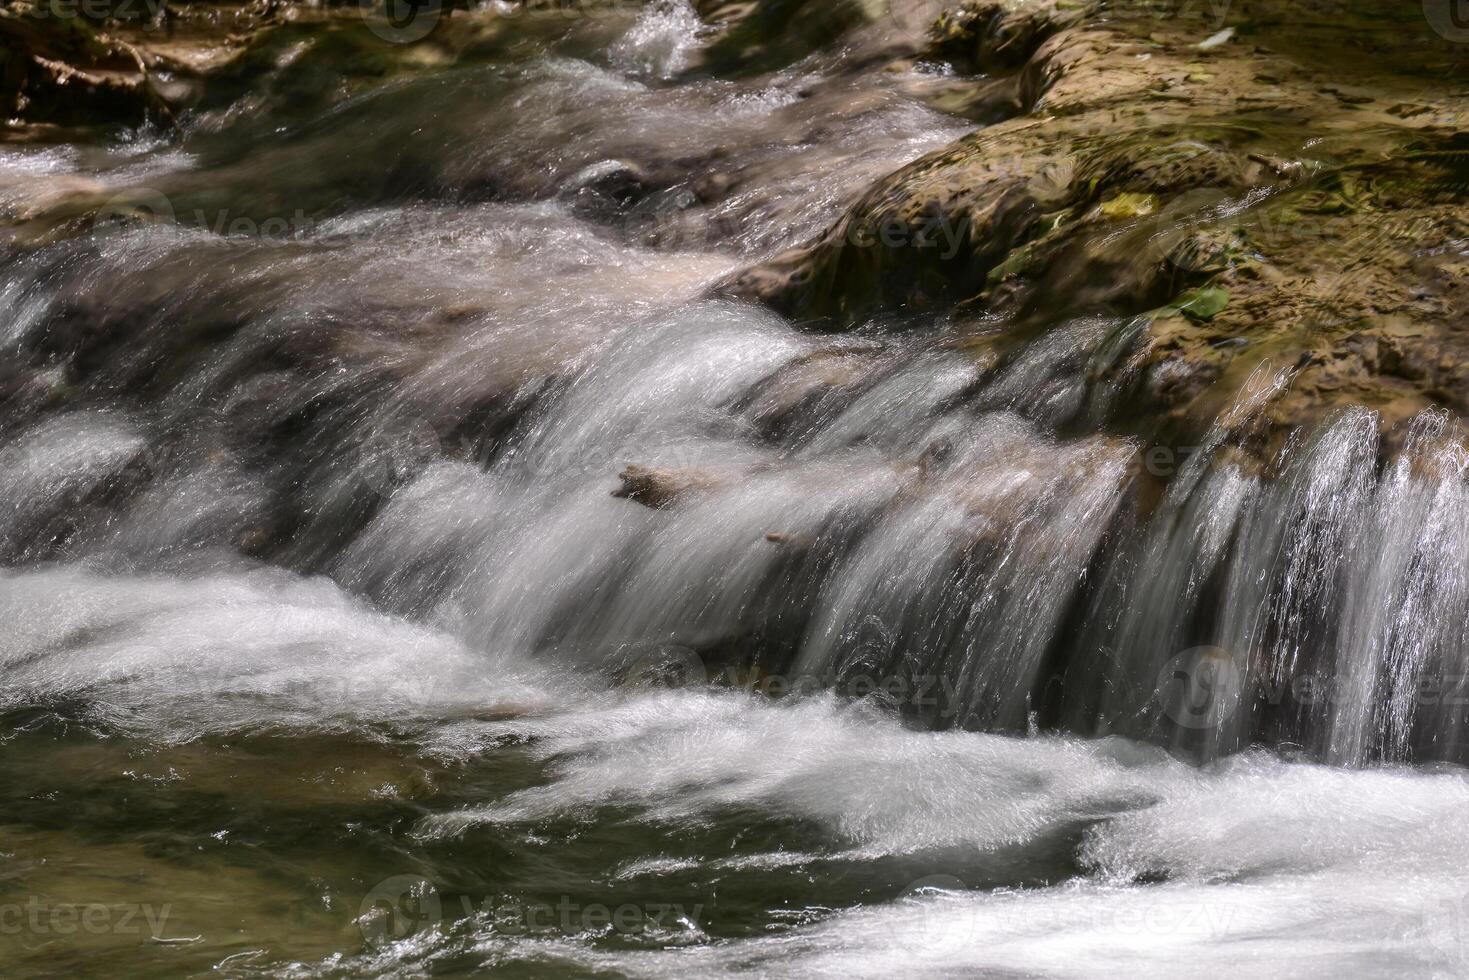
(1243, 203)
(60, 70)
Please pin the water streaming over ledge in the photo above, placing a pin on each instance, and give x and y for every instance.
(329, 538)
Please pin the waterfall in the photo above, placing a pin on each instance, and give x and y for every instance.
(400, 507)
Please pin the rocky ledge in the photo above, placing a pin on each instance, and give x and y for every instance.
(1281, 182)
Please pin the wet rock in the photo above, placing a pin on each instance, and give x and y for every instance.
(1224, 192)
(989, 36)
(1358, 297)
(756, 37)
(608, 188)
(60, 70)
(662, 488)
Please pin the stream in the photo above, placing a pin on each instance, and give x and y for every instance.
(413, 563)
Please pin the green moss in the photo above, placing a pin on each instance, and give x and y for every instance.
(1129, 205)
(1201, 304)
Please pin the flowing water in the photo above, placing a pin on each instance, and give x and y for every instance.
(336, 644)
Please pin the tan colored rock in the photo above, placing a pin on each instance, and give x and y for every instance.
(1285, 192)
(662, 488)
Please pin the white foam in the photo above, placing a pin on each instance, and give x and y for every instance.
(178, 658)
(879, 788)
(1254, 868)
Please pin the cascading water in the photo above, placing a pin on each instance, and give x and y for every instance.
(454, 539)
